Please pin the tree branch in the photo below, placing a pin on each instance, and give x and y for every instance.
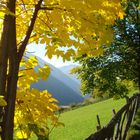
(52, 8)
(29, 31)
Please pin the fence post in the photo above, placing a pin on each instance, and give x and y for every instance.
(114, 112)
(99, 124)
(130, 117)
(117, 129)
(117, 125)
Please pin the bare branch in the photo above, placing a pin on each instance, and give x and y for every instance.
(44, 23)
(23, 40)
(26, 69)
(52, 8)
(24, 5)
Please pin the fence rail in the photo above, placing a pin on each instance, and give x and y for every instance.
(118, 127)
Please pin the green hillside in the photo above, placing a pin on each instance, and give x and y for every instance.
(80, 123)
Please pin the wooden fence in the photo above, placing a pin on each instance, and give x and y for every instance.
(118, 127)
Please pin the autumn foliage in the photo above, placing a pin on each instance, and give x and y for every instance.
(67, 28)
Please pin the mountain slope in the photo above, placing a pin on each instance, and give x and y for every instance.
(66, 70)
(60, 85)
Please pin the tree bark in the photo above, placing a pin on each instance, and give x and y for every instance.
(8, 118)
(8, 59)
(9, 63)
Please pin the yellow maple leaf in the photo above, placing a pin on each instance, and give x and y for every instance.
(121, 15)
(2, 101)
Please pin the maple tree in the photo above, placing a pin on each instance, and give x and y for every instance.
(35, 112)
(79, 26)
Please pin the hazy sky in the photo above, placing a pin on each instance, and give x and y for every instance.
(39, 50)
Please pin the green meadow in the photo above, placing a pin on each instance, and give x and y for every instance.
(81, 122)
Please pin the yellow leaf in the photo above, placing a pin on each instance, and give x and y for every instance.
(2, 101)
(21, 134)
(121, 15)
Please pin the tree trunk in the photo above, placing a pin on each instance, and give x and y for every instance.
(9, 63)
(8, 118)
(138, 46)
(8, 59)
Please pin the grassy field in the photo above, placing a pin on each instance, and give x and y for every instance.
(81, 122)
